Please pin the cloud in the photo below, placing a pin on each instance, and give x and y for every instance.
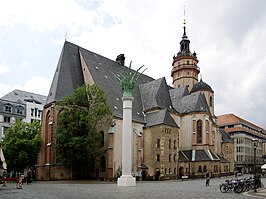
(3, 69)
(36, 84)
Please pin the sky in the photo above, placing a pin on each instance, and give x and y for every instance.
(229, 37)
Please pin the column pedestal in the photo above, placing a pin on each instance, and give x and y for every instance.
(126, 181)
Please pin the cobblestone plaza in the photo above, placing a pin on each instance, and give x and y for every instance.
(107, 190)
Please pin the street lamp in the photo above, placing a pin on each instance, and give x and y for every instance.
(255, 146)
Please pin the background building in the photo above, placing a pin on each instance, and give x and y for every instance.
(19, 104)
(243, 134)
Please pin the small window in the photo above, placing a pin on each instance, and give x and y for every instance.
(39, 113)
(158, 143)
(158, 158)
(32, 112)
(170, 157)
(6, 119)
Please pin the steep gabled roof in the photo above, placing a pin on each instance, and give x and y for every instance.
(102, 71)
(24, 96)
(195, 102)
(68, 74)
(176, 96)
(155, 94)
(160, 117)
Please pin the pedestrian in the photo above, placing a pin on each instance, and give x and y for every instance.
(207, 178)
(29, 176)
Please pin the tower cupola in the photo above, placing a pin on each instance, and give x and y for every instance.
(185, 70)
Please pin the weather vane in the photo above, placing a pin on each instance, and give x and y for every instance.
(184, 16)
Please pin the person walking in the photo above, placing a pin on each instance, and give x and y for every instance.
(207, 178)
(29, 176)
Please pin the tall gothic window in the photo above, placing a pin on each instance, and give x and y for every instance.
(211, 101)
(199, 131)
(102, 139)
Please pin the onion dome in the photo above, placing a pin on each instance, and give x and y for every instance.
(201, 86)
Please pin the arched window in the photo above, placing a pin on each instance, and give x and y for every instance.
(204, 168)
(102, 139)
(170, 144)
(170, 157)
(169, 170)
(211, 101)
(20, 110)
(174, 170)
(199, 131)
(175, 144)
(200, 169)
(158, 143)
(165, 171)
(175, 158)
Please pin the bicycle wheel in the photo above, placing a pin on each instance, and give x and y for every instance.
(238, 189)
(223, 188)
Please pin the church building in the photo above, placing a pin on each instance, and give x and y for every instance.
(174, 132)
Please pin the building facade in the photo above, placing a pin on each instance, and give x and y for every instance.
(174, 128)
(244, 135)
(19, 104)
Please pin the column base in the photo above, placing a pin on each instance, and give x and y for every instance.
(126, 181)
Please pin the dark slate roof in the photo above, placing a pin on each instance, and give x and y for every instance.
(201, 86)
(155, 94)
(68, 74)
(223, 160)
(102, 70)
(195, 102)
(160, 117)
(177, 95)
(199, 155)
(225, 136)
(20, 96)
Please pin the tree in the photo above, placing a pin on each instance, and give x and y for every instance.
(21, 145)
(76, 137)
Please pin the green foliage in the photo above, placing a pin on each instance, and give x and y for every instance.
(21, 145)
(76, 136)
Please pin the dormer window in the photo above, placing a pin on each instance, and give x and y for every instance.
(8, 108)
(20, 110)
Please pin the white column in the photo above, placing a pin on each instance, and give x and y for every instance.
(127, 179)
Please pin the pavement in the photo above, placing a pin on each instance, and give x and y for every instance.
(172, 189)
(261, 193)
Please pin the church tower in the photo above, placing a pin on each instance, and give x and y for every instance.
(185, 70)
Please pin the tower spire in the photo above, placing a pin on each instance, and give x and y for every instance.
(184, 23)
(185, 70)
